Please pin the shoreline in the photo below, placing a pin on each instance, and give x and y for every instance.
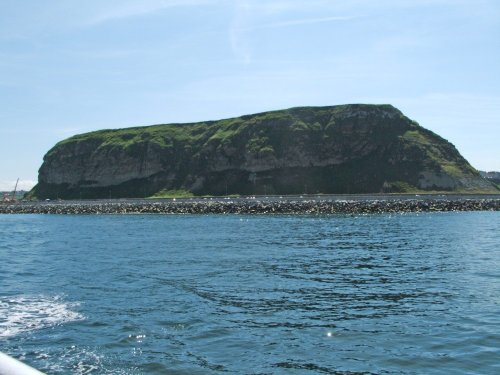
(261, 205)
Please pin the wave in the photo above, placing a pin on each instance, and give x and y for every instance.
(25, 313)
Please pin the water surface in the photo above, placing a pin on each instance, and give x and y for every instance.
(167, 294)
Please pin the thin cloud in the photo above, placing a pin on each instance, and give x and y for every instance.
(136, 9)
(240, 24)
(239, 44)
(305, 21)
(281, 6)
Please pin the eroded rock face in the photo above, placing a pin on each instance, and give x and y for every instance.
(87, 165)
(339, 149)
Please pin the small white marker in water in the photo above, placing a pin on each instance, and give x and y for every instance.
(329, 334)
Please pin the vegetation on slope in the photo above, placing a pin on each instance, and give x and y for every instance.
(341, 149)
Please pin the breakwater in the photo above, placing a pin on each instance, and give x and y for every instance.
(257, 206)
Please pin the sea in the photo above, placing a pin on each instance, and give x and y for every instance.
(414, 293)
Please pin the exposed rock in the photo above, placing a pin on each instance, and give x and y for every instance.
(310, 205)
(341, 149)
(491, 176)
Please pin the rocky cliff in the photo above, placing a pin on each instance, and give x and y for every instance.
(340, 149)
(491, 176)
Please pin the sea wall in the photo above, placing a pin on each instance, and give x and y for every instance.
(254, 206)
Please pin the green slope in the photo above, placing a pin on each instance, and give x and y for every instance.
(356, 148)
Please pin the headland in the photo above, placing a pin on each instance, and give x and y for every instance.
(343, 149)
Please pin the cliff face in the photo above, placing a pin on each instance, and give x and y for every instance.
(492, 176)
(339, 149)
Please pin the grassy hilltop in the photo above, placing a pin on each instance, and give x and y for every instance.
(355, 148)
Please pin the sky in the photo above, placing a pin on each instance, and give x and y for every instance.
(71, 66)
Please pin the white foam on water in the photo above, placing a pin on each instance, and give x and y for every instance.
(24, 313)
(81, 360)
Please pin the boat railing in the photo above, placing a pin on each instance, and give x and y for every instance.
(11, 366)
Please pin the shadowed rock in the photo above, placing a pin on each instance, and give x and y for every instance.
(331, 150)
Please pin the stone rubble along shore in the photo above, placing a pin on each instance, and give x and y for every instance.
(252, 206)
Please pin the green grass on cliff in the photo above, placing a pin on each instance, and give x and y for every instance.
(179, 193)
(437, 152)
(375, 145)
(222, 130)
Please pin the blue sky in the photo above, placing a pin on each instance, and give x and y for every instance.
(68, 66)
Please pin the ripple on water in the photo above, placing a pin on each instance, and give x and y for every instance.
(383, 294)
(77, 360)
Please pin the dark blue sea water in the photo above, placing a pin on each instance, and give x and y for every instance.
(152, 294)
